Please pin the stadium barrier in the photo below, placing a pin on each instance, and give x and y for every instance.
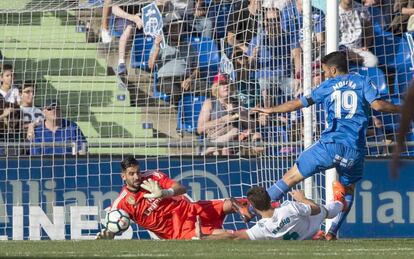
(63, 198)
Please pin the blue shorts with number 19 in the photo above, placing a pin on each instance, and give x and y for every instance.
(348, 162)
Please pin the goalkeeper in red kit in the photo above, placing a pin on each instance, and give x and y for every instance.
(156, 203)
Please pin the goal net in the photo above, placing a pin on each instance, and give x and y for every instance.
(89, 82)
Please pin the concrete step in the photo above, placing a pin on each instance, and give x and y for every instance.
(87, 90)
(44, 33)
(126, 146)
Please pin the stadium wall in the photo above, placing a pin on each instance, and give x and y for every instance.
(67, 195)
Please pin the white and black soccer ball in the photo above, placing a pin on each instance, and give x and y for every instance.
(117, 221)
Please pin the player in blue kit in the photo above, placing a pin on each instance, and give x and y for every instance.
(347, 99)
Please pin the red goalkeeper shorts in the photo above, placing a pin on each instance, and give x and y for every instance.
(211, 217)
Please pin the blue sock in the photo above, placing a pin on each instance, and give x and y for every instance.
(338, 220)
(278, 190)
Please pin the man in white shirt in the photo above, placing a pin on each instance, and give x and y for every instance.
(294, 220)
(31, 115)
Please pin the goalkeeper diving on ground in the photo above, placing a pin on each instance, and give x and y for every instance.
(155, 202)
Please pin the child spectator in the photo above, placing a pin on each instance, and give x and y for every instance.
(106, 12)
(58, 131)
(128, 19)
(7, 90)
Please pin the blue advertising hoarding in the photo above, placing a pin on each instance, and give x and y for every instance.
(63, 198)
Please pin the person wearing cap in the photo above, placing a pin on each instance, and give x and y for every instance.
(55, 129)
(221, 119)
(31, 115)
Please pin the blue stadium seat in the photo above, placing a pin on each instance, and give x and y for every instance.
(189, 108)
(385, 46)
(141, 49)
(209, 56)
(410, 149)
(392, 51)
(376, 75)
(402, 80)
(158, 94)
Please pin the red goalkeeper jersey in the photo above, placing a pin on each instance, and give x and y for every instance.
(169, 218)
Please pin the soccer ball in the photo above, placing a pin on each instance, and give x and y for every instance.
(117, 221)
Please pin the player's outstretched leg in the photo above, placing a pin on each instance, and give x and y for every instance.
(344, 194)
(281, 187)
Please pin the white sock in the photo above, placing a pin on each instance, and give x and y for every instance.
(121, 61)
(333, 208)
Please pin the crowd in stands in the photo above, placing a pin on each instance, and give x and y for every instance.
(263, 41)
(22, 122)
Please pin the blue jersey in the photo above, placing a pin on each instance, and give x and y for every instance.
(346, 100)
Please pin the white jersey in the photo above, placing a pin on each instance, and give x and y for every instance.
(11, 96)
(292, 221)
(31, 114)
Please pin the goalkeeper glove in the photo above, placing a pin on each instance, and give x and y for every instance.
(155, 190)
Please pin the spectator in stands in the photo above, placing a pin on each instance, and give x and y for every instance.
(222, 120)
(403, 10)
(31, 115)
(196, 17)
(381, 12)
(128, 19)
(292, 23)
(243, 25)
(270, 60)
(356, 35)
(58, 131)
(10, 123)
(177, 63)
(106, 12)
(7, 89)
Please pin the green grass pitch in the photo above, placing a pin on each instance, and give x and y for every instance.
(356, 248)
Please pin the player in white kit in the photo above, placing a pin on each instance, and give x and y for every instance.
(294, 220)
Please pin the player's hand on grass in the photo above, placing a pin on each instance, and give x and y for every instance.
(298, 195)
(198, 232)
(105, 234)
(153, 187)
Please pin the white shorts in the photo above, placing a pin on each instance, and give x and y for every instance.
(315, 222)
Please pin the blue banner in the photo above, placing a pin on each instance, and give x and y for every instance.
(63, 198)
